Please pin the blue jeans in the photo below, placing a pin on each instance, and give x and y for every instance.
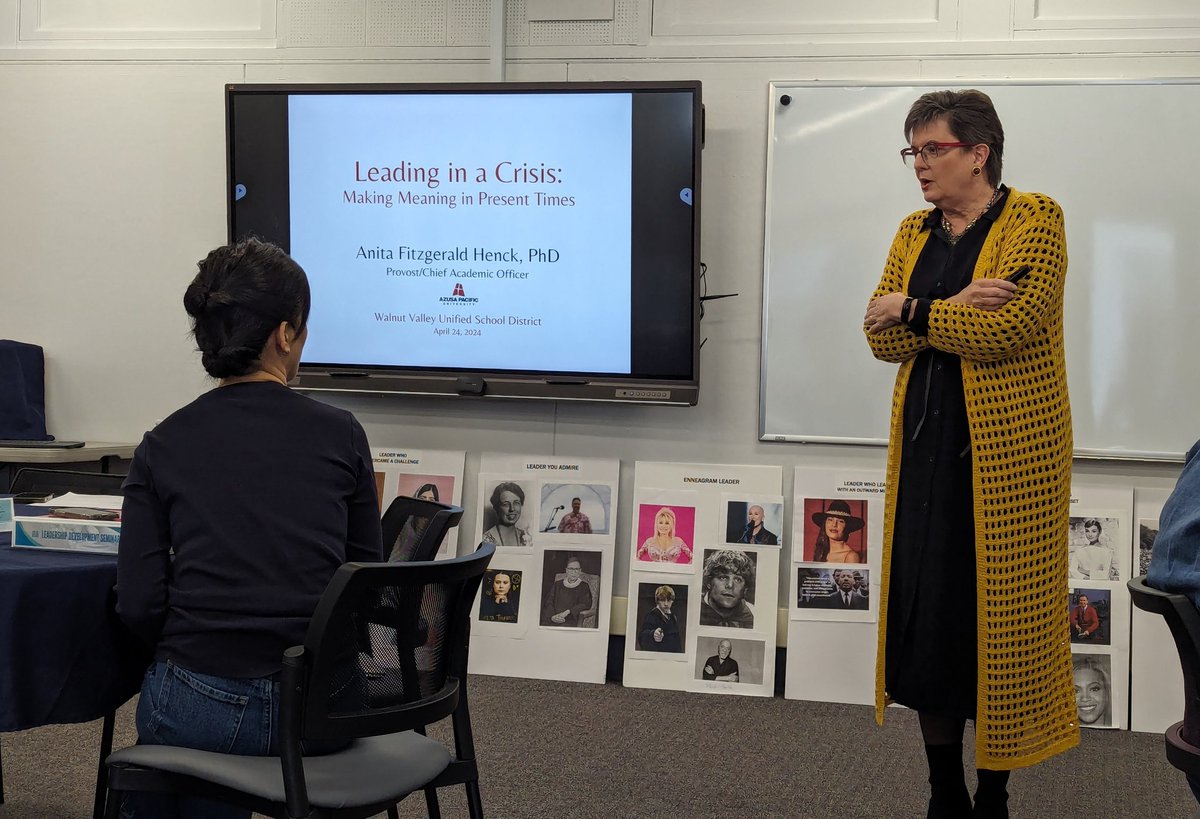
(190, 710)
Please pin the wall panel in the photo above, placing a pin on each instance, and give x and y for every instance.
(675, 18)
(78, 20)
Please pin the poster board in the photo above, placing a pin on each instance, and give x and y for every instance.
(544, 605)
(705, 542)
(820, 626)
(1099, 565)
(1155, 677)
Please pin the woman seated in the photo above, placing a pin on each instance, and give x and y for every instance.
(238, 509)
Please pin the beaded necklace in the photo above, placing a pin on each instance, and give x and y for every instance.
(953, 237)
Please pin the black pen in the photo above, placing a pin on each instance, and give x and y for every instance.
(1020, 274)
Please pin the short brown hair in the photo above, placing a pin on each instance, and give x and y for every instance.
(971, 117)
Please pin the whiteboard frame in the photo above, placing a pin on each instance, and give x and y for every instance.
(777, 88)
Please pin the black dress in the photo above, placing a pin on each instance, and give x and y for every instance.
(931, 659)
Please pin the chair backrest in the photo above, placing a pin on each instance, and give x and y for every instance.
(413, 528)
(58, 481)
(385, 650)
(1184, 621)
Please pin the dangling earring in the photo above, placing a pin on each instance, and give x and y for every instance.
(976, 171)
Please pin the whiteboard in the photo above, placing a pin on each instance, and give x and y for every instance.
(1118, 157)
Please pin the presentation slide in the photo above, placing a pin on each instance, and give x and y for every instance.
(465, 230)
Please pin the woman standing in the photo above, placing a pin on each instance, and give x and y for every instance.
(978, 481)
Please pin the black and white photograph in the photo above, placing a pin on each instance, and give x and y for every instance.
(727, 588)
(571, 592)
(1093, 689)
(500, 596)
(1090, 614)
(662, 617)
(724, 659)
(1093, 544)
(1147, 532)
(576, 508)
(758, 523)
(833, 589)
(508, 515)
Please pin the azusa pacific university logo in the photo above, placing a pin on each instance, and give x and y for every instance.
(458, 296)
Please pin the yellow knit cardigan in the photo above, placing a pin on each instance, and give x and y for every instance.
(1015, 384)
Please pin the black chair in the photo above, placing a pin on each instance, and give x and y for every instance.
(335, 689)
(413, 528)
(1182, 738)
(58, 481)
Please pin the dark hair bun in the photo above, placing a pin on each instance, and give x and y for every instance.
(229, 361)
(242, 292)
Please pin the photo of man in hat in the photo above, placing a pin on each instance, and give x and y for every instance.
(839, 532)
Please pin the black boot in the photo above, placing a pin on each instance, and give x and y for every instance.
(991, 797)
(948, 796)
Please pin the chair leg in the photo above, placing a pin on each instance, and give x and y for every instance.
(431, 804)
(112, 807)
(393, 813)
(106, 739)
(474, 803)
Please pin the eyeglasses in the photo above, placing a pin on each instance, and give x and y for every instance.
(929, 151)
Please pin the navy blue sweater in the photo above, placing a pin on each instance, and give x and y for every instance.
(261, 493)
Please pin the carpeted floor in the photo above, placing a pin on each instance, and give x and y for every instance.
(554, 749)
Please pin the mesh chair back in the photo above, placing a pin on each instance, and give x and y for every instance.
(413, 528)
(386, 648)
(1184, 621)
(58, 481)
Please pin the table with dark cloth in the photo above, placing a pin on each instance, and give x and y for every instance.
(64, 656)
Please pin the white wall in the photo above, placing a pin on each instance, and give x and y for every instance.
(112, 161)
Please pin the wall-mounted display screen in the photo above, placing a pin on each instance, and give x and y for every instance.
(509, 240)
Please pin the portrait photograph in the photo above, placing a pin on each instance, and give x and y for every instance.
(1147, 532)
(380, 477)
(576, 509)
(438, 488)
(730, 660)
(1093, 544)
(758, 523)
(662, 614)
(665, 536)
(835, 531)
(1089, 611)
(1093, 689)
(571, 592)
(843, 589)
(500, 596)
(509, 508)
(727, 588)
